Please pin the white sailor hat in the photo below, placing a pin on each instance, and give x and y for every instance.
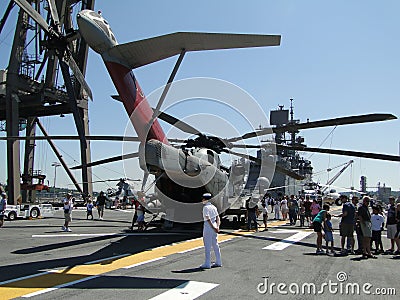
(4, 194)
(207, 196)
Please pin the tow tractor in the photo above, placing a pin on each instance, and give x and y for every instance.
(12, 212)
(30, 210)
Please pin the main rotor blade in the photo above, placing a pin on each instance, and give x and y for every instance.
(343, 152)
(368, 118)
(72, 101)
(54, 13)
(245, 146)
(316, 124)
(73, 137)
(108, 160)
(111, 180)
(288, 172)
(180, 141)
(324, 150)
(250, 135)
(78, 75)
(185, 127)
(24, 5)
(278, 168)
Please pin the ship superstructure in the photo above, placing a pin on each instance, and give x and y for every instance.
(286, 158)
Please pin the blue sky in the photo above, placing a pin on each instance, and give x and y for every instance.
(336, 58)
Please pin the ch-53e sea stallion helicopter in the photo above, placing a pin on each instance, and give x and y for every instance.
(183, 174)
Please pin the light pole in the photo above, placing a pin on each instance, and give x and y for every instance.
(55, 165)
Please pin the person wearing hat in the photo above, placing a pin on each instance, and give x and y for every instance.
(252, 209)
(210, 233)
(3, 205)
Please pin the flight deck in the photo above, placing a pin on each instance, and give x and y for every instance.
(99, 259)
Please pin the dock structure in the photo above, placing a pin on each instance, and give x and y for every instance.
(30, 86)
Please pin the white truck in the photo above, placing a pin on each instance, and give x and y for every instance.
(12, 212)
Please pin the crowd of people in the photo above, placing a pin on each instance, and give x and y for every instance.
(365, 220)
(99, 205)
(357, 218)
(292, 208)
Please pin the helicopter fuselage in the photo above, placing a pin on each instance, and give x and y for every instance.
(183, 175)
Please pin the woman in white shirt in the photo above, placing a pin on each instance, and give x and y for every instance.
(284, 208)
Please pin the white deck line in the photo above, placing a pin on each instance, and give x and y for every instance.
(66, 234)
(59, 286)
(25, 277)
(144, 262)
(186, 291)
(107, 258)
(191, 249)
(288, 241)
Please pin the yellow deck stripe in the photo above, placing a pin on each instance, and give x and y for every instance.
(49, 280)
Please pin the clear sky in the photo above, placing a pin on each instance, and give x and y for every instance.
(337, 58)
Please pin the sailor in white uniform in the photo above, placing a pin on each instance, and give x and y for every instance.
(210, 233)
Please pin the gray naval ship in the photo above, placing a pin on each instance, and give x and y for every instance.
(282, 184)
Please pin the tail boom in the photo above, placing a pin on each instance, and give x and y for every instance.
(135, 103)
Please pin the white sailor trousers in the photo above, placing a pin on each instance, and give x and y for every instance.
(210, 239)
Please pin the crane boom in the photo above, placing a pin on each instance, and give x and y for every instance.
(333, 179)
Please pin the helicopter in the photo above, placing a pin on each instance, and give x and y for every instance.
(183, 174)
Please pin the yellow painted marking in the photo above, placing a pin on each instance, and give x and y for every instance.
(277, 223)
(27, 286)
(30, 285)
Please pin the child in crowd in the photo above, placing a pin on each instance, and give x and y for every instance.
(89, 210)
(377, 222)
(328, 230)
